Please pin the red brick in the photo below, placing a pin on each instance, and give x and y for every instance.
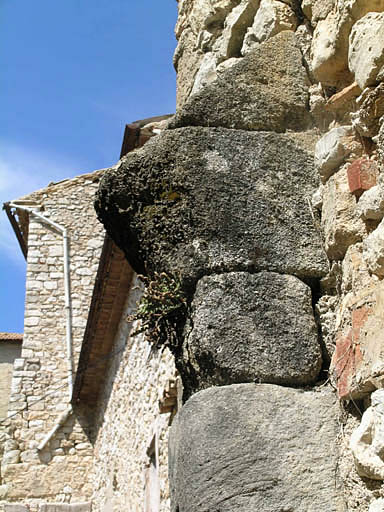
(359, 317)
(348, 357)
(343, 365)
(362, 175)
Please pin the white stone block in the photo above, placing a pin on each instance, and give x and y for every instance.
(367, 441)
(331, 151)
(366, 49)
(31, 321)
(18, 364)
(377, 505)
(371, 204)
(50, 285)
(56, 251)
(271, 18)
(373, 250)
(206, 73)
(11, 457)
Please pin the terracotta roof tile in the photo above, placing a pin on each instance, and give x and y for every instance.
(11, 336)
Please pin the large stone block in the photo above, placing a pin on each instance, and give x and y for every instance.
(251, 328)
(197, 201)
(255, 447)
(265, 90)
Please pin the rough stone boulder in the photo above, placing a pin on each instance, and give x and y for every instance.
(197, 201)
(255, 447)
(265, 90)
(366, 49)
(251, 328)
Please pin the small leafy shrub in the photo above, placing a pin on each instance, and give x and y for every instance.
(161, 309)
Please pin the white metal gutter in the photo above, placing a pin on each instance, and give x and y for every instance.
(68, 310)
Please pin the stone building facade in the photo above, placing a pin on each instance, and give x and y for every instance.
(54, 454)
(270, 173)
(10, 348)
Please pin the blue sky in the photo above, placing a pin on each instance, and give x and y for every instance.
(73, 73)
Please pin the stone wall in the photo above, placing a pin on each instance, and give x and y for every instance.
(223, 201)
(39, 386)
(129, 427)
(9, 351)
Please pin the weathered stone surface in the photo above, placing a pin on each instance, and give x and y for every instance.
(66, 507)
(341, 224)
(330, 48)
(373, 250)
(317, 10)
(366, 120)
(235, 27)
(371, 204)
(251, 328)
(15, 507)
(366, 49)
(332, 36)
(377, 505)
(186, 61)
(271, 18)
(355, 274)
(358, 362)
(380, 142)
(367, 442)
(11, 457)
(200, 23)
(206, 73)
(266, 90)
(249, 447)
(326, 311)
(331, 151)
(208, 200)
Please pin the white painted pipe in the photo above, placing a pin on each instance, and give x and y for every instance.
(63, 418)
(67, 294)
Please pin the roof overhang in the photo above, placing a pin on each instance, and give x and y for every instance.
(112, 285)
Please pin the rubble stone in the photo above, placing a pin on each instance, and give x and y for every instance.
(367, 441)
(271, 18)
(342, 227)
(373, 250)
(377, 505)
(371, 204)
(317, 10)
(330, 48)
(331, 151)
(235, 27)
(366, 49)
(366, 120)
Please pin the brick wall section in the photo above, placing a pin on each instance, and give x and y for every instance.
(58, 472)
(128, 418)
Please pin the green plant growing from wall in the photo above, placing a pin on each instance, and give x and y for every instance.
(162, 307)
